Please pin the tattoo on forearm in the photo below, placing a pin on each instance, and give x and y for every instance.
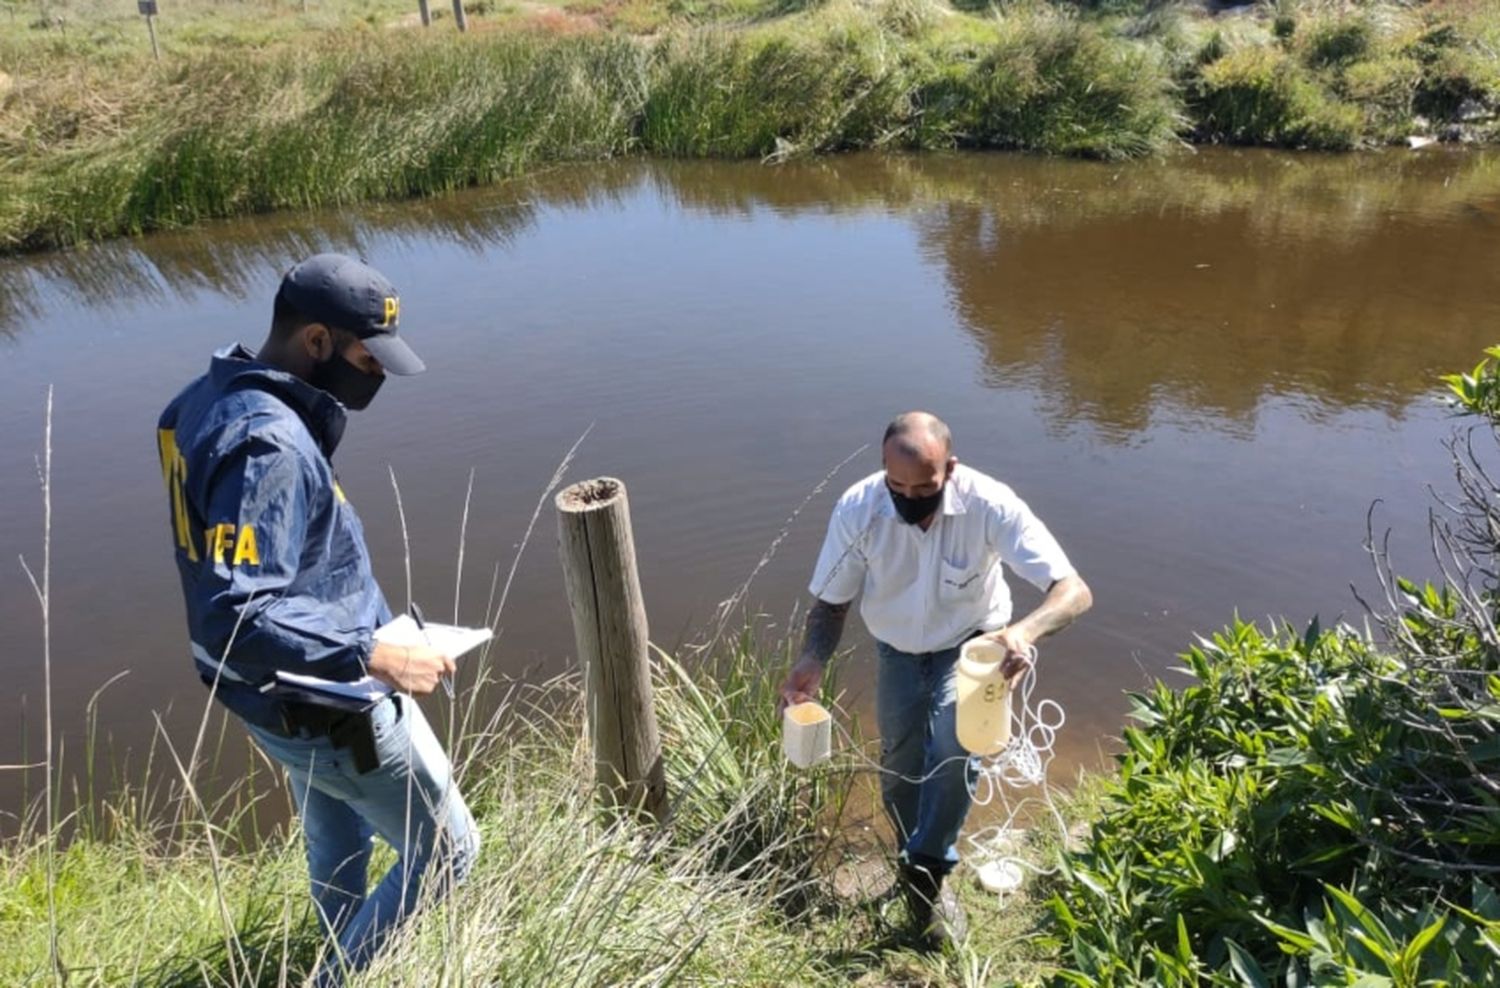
(825, 626)
(1060, 608)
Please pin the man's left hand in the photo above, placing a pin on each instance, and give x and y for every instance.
(1018, 646)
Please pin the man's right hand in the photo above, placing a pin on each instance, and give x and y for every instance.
(414, 669)
(802, 682)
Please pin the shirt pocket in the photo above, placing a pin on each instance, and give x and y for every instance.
(960, 582)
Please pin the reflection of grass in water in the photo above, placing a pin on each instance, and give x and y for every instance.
(1338, 198)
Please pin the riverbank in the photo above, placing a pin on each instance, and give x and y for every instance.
(758, 878)
(97, 141)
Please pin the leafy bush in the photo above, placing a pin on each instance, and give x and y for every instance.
(1300, 775)
(1320, 807)
(1339, 42)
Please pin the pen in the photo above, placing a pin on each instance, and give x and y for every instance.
(416, 615)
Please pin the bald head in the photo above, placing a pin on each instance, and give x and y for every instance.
(919, 435)
(918, 458)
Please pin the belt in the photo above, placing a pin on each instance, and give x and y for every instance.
(343, 728)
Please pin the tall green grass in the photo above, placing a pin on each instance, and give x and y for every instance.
(370, 117)
(739, 885)
(93, 148)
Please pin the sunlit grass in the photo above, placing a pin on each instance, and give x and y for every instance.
(97, 143)
(740, 886)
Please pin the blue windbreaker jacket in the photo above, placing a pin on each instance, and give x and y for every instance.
(272, 556)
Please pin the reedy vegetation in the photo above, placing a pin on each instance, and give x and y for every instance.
(111, 146)
(736, 888)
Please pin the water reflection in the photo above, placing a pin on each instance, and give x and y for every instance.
(1327, 283)
(1197, 285)
(228, 258)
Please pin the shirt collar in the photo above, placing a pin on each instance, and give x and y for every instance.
(953, 501)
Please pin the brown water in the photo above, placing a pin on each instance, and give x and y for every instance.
(1200, 371)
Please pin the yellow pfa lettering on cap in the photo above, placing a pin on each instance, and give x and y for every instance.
(392, 310)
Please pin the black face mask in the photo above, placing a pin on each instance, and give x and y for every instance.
(347, 383)
(913, 510)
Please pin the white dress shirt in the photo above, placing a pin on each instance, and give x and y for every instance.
(927, 591)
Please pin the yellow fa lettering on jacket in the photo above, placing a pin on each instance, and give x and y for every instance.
(219, 539)
(216, 540)
(246, 552)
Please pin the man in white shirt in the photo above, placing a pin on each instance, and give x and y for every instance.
(924, 541)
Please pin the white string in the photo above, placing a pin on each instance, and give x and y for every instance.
(1022, 765)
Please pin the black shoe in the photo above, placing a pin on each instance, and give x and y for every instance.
(936, 914)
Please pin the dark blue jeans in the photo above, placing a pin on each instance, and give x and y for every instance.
(927, 781)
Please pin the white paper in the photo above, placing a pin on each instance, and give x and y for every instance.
(452, 640)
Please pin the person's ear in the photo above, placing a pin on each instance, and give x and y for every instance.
(952, 462)
(317, 339)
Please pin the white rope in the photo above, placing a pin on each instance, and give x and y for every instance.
(1022, 765)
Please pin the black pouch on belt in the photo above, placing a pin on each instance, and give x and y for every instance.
(357, 733)
(345, 728)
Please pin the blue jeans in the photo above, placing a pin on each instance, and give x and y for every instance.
(926, 786)
(410, 801)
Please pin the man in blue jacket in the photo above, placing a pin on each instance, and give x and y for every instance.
(277, 578)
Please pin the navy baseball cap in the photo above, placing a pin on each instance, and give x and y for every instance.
(348, 294)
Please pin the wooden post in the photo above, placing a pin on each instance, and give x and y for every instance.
(609, 625)
(425, 11)
(459, 17)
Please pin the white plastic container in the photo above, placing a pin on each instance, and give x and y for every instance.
(806, 733)
(983, 698)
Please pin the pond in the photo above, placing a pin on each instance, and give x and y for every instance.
(1200, 371)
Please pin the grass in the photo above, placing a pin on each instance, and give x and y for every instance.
(259, 107)
(751, 882)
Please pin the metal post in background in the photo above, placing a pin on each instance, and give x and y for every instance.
(148, 11)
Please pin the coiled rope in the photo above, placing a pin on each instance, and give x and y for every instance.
(994, 780)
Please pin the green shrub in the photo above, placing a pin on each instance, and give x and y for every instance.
(1384, 90)
(1053, 83)
(1261, 95)
(1338, 42)
(715, 95)
(1300, 775)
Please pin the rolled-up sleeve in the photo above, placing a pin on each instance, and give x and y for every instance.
(1025, 544)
